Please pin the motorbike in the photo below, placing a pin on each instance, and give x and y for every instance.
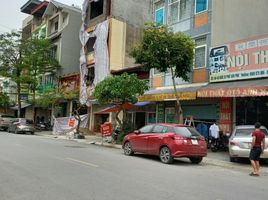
(43, 126)
(220, 144)
(116, 133)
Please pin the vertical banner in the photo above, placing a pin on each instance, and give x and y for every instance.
(160, 110)
(225, 115)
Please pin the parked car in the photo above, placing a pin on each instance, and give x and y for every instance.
(21, 125)
(240, 142)
(167, 141)
(5, 120)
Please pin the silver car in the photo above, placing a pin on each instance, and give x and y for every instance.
(21, 125)
(240, 142)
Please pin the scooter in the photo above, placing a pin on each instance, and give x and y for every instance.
(116, 133)
(220, 144)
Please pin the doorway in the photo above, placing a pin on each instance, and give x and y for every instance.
(140, 120)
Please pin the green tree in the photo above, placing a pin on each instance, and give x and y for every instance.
(38, 59)
(4, 101)
(11, 57)
(25, 60)
(166, 51)
(118, 90)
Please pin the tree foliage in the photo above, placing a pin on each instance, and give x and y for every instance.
(11, 55)
(4, 100)
(118, 90)
(39, 61)
(166, 51)
(24, 61)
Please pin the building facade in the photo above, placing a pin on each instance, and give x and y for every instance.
(192, 17)
(238, 62)
(113, 27)
(60, 24)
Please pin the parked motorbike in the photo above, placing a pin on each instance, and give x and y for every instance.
(116, 133)
(40, 126)
(221, 144)
(43, 126)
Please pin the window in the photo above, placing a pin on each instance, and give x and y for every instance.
(96, 9)
(173, 14)
(151, 118)
(158, 129)
(178, 10)
(200, 53)
(56, 26)
(53, 52)
(89, 79)
(147, 129)
(200, 6)
(90, 44)
(159, 12)
(186, 131)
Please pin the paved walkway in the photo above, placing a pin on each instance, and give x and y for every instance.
(220, 159)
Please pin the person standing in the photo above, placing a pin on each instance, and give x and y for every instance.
(214, 133)
(257, 148)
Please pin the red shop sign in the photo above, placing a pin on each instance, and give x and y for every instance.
(106, 129)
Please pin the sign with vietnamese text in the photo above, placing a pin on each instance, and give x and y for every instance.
(244, 59)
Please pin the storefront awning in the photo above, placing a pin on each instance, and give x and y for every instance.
(246, 88)
(116, 108)
(185, 92)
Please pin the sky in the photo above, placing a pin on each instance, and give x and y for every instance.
(11, 18)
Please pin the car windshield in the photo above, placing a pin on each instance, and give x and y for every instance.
(26, 121)
(186, 131)
(246, 132)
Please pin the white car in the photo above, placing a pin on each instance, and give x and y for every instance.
(240, 142)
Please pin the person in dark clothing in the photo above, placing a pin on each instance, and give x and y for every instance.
(257, 148)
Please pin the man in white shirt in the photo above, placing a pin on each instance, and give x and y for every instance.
(214, 133)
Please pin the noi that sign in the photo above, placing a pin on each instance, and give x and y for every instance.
(243, 59)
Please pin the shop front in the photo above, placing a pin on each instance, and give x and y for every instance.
(241, 102)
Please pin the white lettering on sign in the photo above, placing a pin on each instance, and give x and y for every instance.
(238, 61)
(260, 57)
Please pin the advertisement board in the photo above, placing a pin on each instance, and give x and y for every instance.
(243, 59)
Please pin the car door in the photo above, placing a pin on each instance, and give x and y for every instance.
(139, 142)
(155, 140)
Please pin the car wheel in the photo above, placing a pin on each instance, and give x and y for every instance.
(196, 160)
(165, 155)
(32, 133)
(232, 159)
(127, 149)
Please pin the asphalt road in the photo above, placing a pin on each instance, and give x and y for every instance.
(39, 168)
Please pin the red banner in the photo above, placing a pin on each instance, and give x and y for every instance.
(234, 92)
(225, 117)
(106, 129)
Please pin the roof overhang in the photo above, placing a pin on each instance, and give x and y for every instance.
(40, 9)
(185, 92)
(29, 6)
(246, 88)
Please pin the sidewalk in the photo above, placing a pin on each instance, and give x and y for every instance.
(220, 159)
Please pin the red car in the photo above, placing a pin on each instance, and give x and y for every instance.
(167, 141)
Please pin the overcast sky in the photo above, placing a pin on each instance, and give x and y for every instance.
(11, 17)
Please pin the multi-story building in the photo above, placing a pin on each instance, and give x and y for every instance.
(60, 24)
(192, 17)
(112, 28)
(238, 62)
